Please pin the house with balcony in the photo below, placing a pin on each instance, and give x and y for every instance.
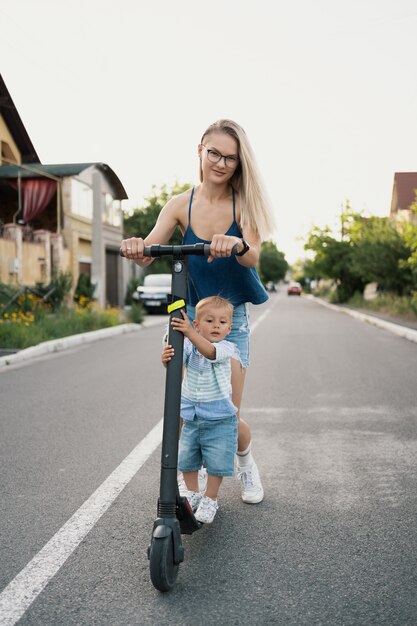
(57, 217)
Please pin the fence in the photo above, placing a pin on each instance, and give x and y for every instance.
(27, 260)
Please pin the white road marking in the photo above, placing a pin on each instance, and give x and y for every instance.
(19, 594)
(260, 319)
(23, 590)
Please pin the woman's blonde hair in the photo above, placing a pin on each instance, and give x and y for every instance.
(215, 302)
(255, 211)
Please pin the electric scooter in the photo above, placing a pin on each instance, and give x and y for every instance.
(175, 516)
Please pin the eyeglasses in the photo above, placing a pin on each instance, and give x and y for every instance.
(214, 156)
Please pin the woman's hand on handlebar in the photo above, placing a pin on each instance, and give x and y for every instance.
(133, 249)
(222, 246)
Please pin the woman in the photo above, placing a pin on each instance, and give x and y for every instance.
(229, 207)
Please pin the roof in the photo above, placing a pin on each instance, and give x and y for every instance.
(15, 125)
(61, 170)
(405, 186)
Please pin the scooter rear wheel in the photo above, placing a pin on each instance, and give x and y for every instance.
(163, 570)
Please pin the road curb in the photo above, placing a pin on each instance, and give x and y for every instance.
(397, 329)
(58, 345)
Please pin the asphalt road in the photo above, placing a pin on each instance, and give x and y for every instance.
(332, 402)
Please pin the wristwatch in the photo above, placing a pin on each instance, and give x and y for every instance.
(246, 247)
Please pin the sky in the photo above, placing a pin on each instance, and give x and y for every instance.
(326, 91)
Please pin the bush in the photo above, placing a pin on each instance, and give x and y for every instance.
(136, 313)
(388, 303)
(7, 292)
(37, 300)
(133, 283)
(84, 291)
(57, 290)
(18, 332)
(19, 303)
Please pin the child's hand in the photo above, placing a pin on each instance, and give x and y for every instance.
(182, 325)
(167, 354)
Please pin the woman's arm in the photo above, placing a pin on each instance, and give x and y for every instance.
(251, 257)
(222, 245)
(161, 233)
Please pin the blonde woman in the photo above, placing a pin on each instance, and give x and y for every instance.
(228, 207)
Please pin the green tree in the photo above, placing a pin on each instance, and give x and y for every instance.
(303, 271)
(378, 252)
(272, 263)
(140, 221)
(333, 260)
(410, 238)
(370, 249)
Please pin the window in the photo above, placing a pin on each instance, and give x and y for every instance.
(112, 212)
(81, 199)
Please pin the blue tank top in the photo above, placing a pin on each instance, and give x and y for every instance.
(222, 277)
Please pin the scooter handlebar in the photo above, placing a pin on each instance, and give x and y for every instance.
(200, 249)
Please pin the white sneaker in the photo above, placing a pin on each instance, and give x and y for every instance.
(250, 482)
(207, 510)
(194, 499)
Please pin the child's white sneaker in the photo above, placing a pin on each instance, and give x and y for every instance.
(250, 482)
(207, 510)
(194, 499)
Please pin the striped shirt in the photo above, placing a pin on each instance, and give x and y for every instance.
(206, 388)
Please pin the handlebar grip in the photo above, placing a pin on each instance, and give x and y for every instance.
(197, 249)
(146, 251)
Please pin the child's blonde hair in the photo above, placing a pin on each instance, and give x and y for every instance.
(215, 302)
(255, 209)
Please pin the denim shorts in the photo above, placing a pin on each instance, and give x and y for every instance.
(212, 443)
(240, 332)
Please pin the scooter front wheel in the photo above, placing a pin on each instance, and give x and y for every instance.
(163, 569)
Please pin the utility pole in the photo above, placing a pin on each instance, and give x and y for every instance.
(98, 258)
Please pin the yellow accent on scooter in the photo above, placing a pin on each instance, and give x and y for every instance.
(178, 304)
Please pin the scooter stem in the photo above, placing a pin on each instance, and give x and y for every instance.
(172, 405)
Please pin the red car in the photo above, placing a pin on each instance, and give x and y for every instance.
(294, 289)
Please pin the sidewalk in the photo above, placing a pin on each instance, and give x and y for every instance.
(387, 318)
(402, 328)
(57, 345)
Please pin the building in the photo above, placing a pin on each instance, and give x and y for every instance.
(57, 217)
(403, 196)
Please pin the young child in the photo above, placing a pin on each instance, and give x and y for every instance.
(209, 431)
